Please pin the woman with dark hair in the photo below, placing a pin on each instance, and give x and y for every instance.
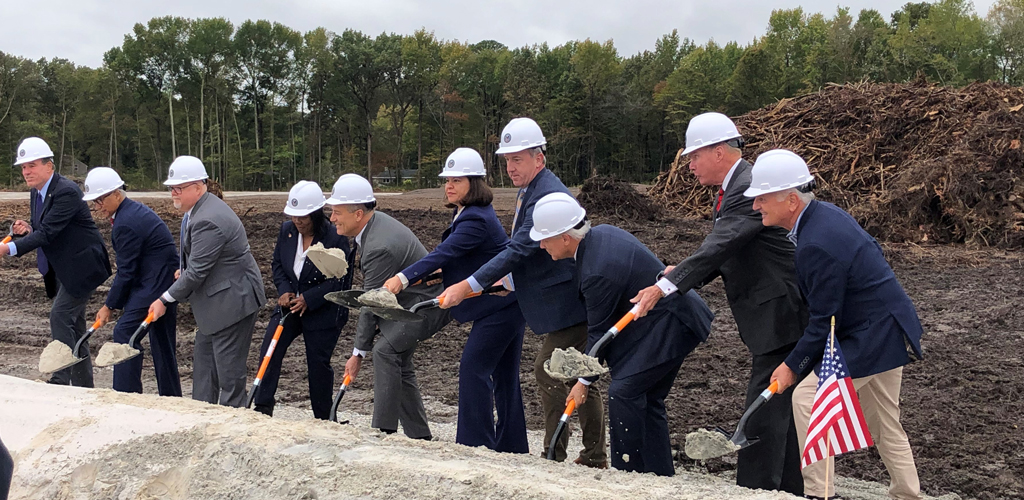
(489, 370)
(301, 288)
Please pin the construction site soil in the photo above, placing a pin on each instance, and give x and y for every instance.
(962, 406)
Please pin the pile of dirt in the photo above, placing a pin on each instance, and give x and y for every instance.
(912, 162)
(611, 197)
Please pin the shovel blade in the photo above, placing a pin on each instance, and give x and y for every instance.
(395, 314)
(69, 364)
(347, 298)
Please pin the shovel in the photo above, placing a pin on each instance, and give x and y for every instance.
(593, 352)
(739, 438)
(412, 314)
(76, 352)
(350, 298)
(333, 417)
(266, 359)
(132, 342)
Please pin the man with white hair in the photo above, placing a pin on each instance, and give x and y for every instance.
(220, 280)
(756, 265)
(146, 261)
(613, 266)
(843, 275)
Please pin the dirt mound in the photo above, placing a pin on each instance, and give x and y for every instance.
(912, 162)
(611, 197)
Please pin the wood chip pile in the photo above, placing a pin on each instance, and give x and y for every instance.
(912, 162)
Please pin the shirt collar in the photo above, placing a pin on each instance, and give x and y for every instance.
(728, 176)
(792, 232)
(46, 187)
(359, 237)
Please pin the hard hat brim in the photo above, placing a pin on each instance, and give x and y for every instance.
(536, 235)
(459, 174)
(753, 192)
(93, 196)
(28, 159)
(176, 182)
(301, 212)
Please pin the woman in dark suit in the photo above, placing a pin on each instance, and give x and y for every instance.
(489, 370)
(301, 288)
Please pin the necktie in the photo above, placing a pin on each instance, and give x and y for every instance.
(181, 240)
(41, 262)
(519, 204)
(718, 204)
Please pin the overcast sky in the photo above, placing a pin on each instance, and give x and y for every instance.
(82, 30)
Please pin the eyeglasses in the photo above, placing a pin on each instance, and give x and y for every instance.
(179, 189)
(99, 201)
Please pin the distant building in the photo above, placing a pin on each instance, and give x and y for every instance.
(388, 176)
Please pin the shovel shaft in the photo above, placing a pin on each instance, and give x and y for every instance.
(333, 417)
(138, 331)
(7, 239)
(88, 333)
(266, 360)
(560, 428)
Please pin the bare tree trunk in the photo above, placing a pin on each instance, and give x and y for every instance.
(273, 175)
(238, 136)
(188, 127)
(170, 106)
(419, 145)
(369, 149)
(202, 117)
(63, 132)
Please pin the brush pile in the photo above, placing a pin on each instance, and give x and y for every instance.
(610, 197)
(911, 162)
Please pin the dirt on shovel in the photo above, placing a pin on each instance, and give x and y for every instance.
(331, 261)
(570, 364)
(113, 353)
(380, 297)
(703, 444)
(56, 355)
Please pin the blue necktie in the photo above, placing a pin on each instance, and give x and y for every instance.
(181, 242)
(41, 263)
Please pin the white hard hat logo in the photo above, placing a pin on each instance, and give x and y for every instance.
(451, 163)
(21, 153)
(86, 188)
(170, 173)
(508, 137)
(295, 202)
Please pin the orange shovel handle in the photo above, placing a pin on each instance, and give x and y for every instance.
(270, 351)
(569, 408)
(440, 300)
(7, 239)
(774, 388)
(347, 381)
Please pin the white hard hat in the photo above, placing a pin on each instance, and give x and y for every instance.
(351, 189)
(707, 129)
(520, 134)
(185, 169)
(555, 214)
(32, 148)
(304, 198)
(100, 181)
(463, 162)
(777, 170)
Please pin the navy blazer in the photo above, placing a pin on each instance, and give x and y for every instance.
(64, 229)
(320, 314)
(613, 267)
(146, 257)
(473, 239)
(547, 290)
(843, 273)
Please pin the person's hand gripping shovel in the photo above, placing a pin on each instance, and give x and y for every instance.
(570, 364)
(113, 353)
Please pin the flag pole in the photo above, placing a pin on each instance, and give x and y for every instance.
(828, 439)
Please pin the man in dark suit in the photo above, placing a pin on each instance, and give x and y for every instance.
(386, 247)
(69, 251)
(146, 261)
(756, 264)
(220, 280)
(843, 275)
(613, 266)
(546, 290)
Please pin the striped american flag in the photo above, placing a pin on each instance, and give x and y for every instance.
(837, 423)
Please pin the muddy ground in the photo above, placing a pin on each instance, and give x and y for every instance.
(961, 406)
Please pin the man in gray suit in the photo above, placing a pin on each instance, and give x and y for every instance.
(386, 247)
(219, 278)
(756, 264)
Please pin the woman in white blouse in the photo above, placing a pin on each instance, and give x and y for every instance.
(301, 288)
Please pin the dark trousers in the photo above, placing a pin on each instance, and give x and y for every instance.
(396, 394)
(6, 471)
(219, 363)
(553, 393)
(162, 342)
(67, 324)
(774, 462)
(489, 379)
(319, 348)
(638, 421)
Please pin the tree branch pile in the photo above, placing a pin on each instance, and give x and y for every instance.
(911, 162)
(610, 197)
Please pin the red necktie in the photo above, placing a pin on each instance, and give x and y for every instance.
(718, 204)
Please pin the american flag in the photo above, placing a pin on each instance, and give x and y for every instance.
(835, 413)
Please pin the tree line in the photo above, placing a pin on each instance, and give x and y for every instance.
(264, 105)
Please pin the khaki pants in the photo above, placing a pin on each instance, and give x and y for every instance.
(879, 396)
(552, 398)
